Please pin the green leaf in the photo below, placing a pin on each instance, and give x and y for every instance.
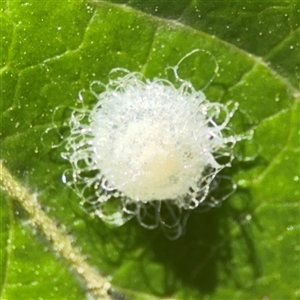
(267, 29)
(246, 249)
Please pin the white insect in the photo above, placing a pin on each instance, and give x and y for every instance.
(146, 149)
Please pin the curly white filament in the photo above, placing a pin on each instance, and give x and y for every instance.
(146, 142)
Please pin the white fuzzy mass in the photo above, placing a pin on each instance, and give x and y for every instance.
(152, 141)
(146, 149)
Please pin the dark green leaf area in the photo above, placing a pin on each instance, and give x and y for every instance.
(268, 29)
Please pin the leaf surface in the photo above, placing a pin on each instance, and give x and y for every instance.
(246, 249)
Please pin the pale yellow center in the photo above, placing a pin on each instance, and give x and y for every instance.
(151, 164)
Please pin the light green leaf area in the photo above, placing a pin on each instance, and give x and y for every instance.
(246, 249)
